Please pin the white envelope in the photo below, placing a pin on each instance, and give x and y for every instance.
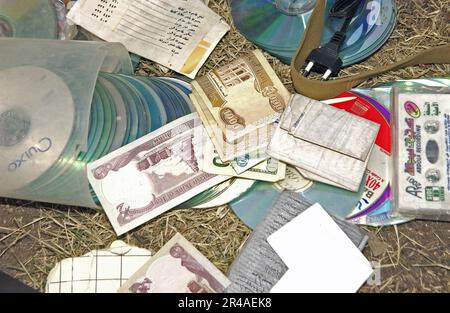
(327, 144)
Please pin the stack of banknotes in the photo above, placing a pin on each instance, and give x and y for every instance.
(238, 105)
(237, 108)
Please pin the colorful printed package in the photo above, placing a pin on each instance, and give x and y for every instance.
(421, 141)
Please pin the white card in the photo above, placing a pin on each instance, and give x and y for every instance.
(320, 256)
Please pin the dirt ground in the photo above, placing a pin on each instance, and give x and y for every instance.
(414, 257)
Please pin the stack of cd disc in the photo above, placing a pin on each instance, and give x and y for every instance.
(29, 18)
(27, 136)
(124, 108)
(277, 26)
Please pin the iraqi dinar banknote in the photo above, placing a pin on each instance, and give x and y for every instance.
(243, 96)
(257, 139)
(152, 174)
(177, 268)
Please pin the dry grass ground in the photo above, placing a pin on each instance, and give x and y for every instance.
(414, 256)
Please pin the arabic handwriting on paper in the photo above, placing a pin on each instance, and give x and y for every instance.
(151, 25)
(147, 21)
(178, 34)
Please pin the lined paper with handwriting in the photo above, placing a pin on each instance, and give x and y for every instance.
(177, 34)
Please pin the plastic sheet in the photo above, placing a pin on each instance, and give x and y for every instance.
(45, 104)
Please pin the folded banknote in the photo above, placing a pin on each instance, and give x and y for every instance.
(256, 166)
(255, 140)
(243, 95)
(238, 104)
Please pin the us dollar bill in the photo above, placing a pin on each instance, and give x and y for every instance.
(177, 268)
(152, 174)
(250, 166)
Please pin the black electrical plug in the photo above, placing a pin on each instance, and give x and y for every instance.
(325, 59)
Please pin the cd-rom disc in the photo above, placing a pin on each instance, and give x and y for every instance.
(36, 121)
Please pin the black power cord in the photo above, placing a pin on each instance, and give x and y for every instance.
(325, 59)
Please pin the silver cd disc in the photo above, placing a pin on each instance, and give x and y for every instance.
(36, 121)
(236, 188)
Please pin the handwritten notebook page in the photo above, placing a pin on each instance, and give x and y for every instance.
(177, 34)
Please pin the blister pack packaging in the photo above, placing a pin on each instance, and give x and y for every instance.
(421, 141)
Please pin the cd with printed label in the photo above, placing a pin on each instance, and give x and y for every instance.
(29, 144)
(277, 26)
(377, 188)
